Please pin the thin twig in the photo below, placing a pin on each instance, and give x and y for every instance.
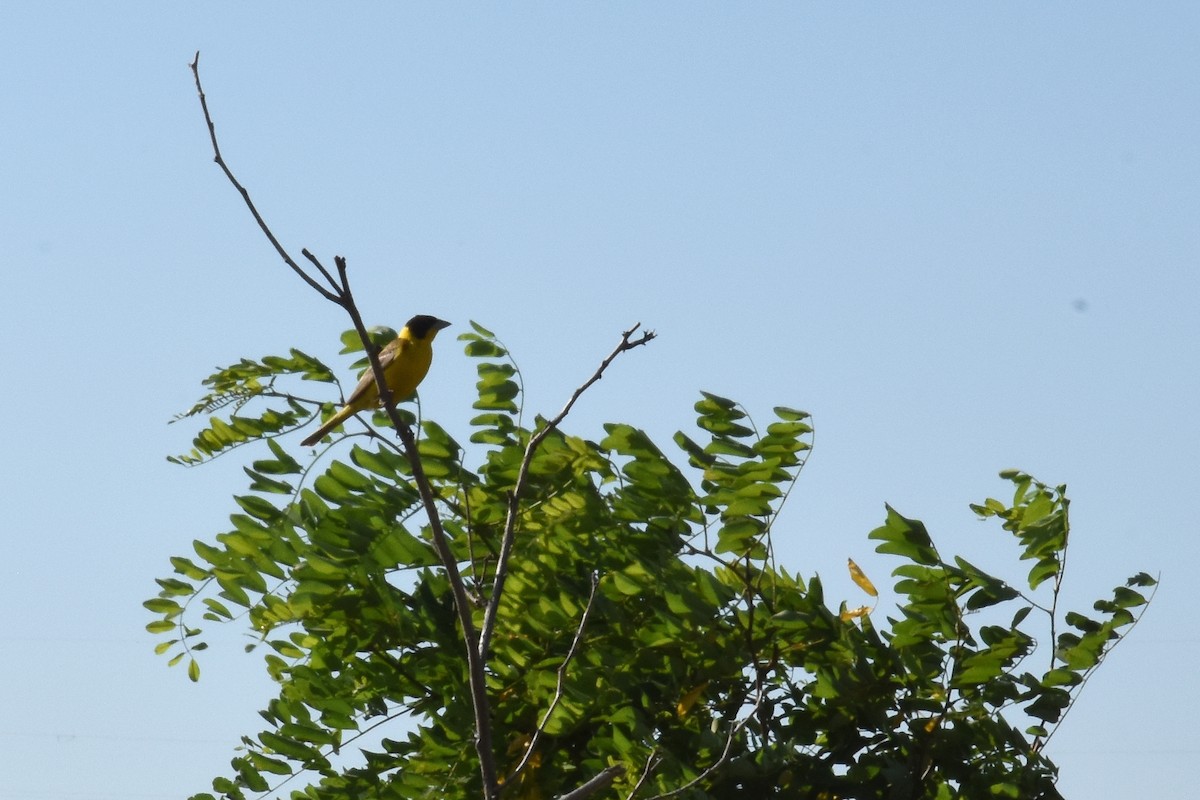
(1059, 574)
(514, 496)
(652, 761)
(212, 136)
(346, 301)
(734, 730)
(1092, 670)
(304, 251)
(598, 783)
(560, 684)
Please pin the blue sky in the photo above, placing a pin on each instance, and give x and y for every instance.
(962, 235)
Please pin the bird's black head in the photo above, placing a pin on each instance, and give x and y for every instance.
(423, 326)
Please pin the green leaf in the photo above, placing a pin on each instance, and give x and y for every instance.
(1049, 705)
(261, 483)
(1061, 677)
(287, 746)
(791, 414)
(348, 477)
(163, 605)
(625, 585)
(905, 537)
(715, 404)
(187, 568)
(385, 463)
(257, 507)
(217, 608)
(379, 335)
(172, 587)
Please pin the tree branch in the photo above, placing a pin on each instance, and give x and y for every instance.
(321, 267)
(212, 136)
(342, 295)
(462, 604)
(514, 496)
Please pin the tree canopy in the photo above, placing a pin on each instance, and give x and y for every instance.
(536, 614)
(633, 626)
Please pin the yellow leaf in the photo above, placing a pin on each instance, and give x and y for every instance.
(689, 699)
(862, 580)
(848, 614)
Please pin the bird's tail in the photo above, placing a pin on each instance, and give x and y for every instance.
(326, 429)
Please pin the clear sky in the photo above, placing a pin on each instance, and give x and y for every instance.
(964, 236)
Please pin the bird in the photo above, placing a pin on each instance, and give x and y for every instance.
(405, 361)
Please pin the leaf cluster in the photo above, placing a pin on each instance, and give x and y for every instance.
(643, 621)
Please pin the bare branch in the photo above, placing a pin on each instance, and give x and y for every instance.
(514, 497)
(627, 343)
(324, 272)
(558, 689)
(212, 136)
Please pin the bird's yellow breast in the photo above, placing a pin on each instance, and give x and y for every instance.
(408, 367)
(405, 362)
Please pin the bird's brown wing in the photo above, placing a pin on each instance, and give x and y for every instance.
(386, 356)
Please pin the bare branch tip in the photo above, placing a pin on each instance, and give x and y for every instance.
(628, 343)
(645, 338)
